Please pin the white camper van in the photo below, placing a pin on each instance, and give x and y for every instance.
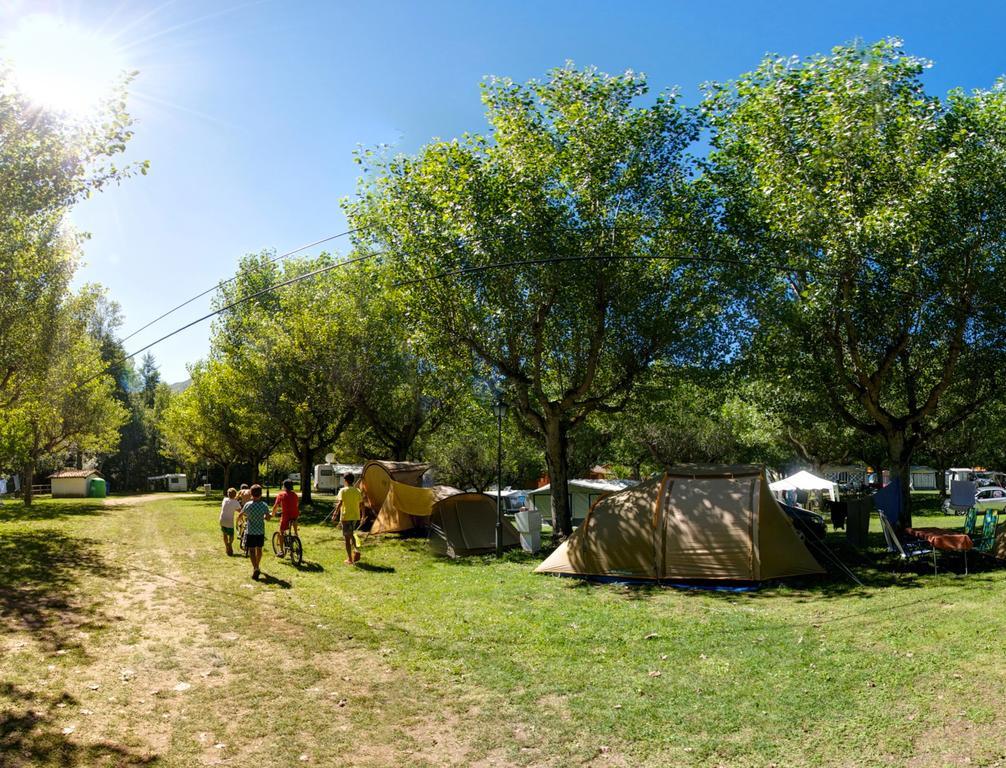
(328, 477)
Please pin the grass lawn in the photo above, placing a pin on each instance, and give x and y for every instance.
(128, 638)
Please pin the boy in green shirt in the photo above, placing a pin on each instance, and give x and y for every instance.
(256, 512)
(347, 507)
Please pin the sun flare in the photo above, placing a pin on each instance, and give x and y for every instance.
(60, 66)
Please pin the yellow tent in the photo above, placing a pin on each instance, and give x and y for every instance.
(377, 476)
(694, 523)
(407, 507)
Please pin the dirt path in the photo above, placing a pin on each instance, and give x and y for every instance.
(177, 665)
(132, 501)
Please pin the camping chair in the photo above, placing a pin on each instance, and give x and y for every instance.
(970, 520)
(985, 542)
(907, 548)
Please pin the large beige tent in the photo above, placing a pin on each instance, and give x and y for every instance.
(465, 524)
(694, 523)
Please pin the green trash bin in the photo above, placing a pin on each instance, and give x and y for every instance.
(96, 488)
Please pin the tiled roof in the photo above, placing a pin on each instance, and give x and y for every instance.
(75, 473)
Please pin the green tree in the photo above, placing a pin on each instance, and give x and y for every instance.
(402, 390)
(464, 451)
(68, 403)
(710, 417)
(149, 378)
(291, 348)
(877, 213)
(215, 421)
(558, 250)
(46, 165)
(138, 455)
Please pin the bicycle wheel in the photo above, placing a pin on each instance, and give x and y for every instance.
(277, 543)
(296, 551)
(243, 538)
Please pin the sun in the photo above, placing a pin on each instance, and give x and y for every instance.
(60, 66)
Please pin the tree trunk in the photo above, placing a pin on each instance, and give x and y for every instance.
(557, 460)
(900, 455)
(400, 451)
(227, 477)
(306, 472)
(29, 481)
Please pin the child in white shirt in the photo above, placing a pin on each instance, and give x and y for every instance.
(228, 509)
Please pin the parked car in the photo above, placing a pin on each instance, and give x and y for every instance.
(809, 525)
(993, 496)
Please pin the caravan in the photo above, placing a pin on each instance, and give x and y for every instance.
(328, 476)
(583, 494)
(173, 483)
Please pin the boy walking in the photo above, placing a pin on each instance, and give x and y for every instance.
(256, 512)
(287, 502)
(347, 507)
(228, 509)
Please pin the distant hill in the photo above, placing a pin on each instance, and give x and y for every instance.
(180, 386)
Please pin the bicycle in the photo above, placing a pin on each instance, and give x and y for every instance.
(289, 543)
(242, 535)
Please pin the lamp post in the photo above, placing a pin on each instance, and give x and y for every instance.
(499, 408)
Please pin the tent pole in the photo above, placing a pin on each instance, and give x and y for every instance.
(499, 409)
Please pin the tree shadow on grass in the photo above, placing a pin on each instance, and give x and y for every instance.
(316, 513)
(32, 734)
(39, 574)
(49, 510)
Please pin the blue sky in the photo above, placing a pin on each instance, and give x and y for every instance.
(249, 112)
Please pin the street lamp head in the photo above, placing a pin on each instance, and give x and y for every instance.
(499, 407)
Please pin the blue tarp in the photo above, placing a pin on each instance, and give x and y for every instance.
(888, 501)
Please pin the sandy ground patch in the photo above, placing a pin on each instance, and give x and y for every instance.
(143, 498)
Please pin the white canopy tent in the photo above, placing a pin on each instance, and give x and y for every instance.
(805, 481)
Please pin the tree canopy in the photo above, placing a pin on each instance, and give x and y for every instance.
(558, 249)
(877, 214)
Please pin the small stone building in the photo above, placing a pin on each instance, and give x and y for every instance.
(71, 483)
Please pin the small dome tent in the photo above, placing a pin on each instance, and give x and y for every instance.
(465, 524)
(694, 523)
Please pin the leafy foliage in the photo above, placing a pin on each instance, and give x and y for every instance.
(69, 404)
(46, 165)
(876, 214)
(557, 250)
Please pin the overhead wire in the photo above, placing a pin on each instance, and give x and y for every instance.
(474, 269)
(228, 307)
(217, 286)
